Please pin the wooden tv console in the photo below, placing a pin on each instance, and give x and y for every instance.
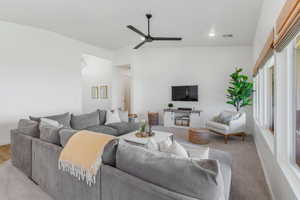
(182, 118)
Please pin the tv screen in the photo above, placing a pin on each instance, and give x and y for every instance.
(185, 93)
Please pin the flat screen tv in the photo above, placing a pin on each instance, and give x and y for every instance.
(185, 93)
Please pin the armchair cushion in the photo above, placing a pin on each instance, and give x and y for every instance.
(217, 125)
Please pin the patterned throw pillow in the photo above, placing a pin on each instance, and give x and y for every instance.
(226, 117)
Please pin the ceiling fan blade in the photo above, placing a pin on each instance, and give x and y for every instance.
(166, 38)
(139, 45)
(136, 30)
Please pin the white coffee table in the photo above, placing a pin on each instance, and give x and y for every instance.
(158, 137)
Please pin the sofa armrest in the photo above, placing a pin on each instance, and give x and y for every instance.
(120, 185)
(21, 151)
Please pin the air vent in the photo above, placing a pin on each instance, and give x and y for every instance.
(227, 35)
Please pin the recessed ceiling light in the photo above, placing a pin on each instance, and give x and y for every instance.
(143, 38)
(212, 34)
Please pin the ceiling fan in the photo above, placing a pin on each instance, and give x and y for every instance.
(148, 37)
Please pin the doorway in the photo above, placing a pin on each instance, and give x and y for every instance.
(125, 82)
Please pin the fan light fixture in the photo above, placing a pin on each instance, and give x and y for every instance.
(148, 38)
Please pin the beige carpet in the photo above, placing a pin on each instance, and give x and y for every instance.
(248, 182)
(14, 185)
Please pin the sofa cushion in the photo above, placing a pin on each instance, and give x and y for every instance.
(65, 134)
(103, 129)
(63, 119)
(217, 125)
(102, 116)
(200, 179)
(124, 127)
(83, 121)
(29, 127)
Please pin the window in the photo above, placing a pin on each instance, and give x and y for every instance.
(255, 98)
(264, 98)
(270, 98)
(297, 100)
(261, 98)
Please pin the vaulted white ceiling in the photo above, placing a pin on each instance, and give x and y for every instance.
(103, 22)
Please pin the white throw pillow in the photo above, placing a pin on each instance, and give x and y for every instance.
(50, 122)
(112, 117)
(152, 145)
(177, 149)
(123, 115)
(164, 145)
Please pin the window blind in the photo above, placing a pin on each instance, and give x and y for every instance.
(265, 54)
(288, 24)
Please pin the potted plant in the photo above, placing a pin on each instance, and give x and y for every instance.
(170, 105)
(240, 90)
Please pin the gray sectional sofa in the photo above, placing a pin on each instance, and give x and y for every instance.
(128, 172)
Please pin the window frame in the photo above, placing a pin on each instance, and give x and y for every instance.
(270, 86)
(292, 71)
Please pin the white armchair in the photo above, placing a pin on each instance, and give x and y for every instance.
(234, 128)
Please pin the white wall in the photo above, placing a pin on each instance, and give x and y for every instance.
(155, 70)
(268, 16)
(123, 56)
(96, 71)
(40, 73)
(268, 147)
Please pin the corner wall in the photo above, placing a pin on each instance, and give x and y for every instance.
(40, 74)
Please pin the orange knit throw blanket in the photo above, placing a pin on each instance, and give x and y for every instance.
(81, 157)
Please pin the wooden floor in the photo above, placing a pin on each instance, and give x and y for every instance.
(4, 153)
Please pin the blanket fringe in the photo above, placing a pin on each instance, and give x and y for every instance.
(89, 175)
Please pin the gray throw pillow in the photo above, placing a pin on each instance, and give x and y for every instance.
(49, 131)
(63, 119)
(65, 134)
(83, 121)
(29, 127)
(109, 153)
(200, 179)
(102, 116)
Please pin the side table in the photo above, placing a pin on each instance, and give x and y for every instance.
(194, 136)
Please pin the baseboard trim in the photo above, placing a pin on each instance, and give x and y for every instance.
(264, 170)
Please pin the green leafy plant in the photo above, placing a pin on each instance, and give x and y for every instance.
(240, 90)
(143, 127)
